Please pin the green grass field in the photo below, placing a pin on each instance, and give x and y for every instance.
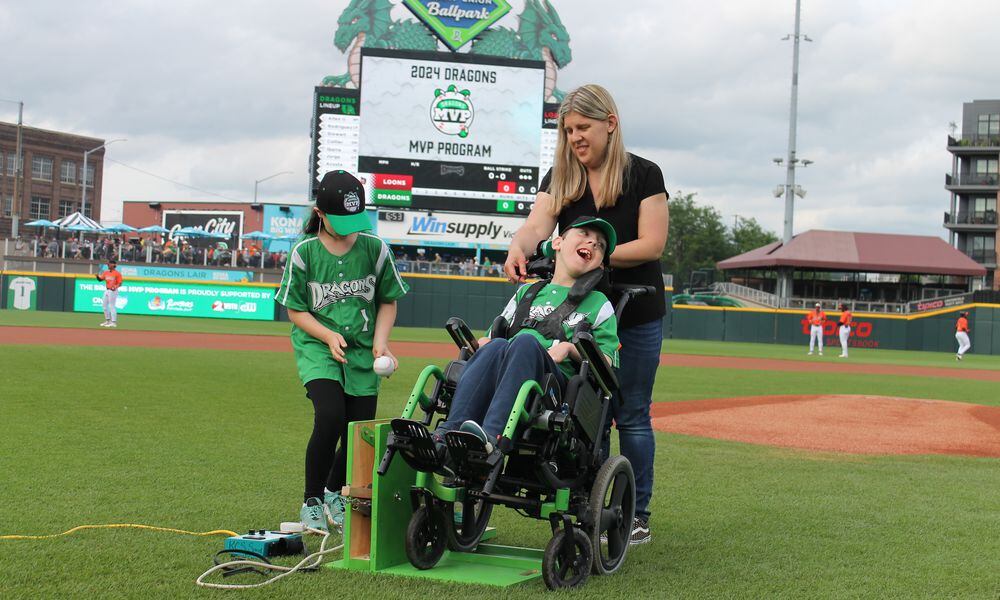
(200, 440)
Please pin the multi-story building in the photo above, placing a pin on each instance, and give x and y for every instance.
(51, 176)
(974, 183)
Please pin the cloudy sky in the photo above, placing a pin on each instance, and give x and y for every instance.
(217, 94)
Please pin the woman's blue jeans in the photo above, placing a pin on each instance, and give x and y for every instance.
(639, 358)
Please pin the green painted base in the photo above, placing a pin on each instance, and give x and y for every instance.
(490, 565)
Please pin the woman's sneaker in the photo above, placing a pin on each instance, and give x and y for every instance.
(311, 515)
(640, 532)
(476, 430)
(336, 506)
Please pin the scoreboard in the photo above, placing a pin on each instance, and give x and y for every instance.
(430, 131)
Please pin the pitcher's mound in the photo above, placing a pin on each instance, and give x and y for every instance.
(856, 424)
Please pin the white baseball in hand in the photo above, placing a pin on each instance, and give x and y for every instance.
(384, 366)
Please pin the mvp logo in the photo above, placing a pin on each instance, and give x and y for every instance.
(324, 294)
(452, 111)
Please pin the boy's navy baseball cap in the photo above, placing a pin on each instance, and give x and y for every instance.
(341, 197)
(590, 223)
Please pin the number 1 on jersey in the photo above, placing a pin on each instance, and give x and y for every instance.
(364, 315)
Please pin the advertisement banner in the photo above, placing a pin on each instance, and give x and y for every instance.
(228, 223)
(457, 22)
(22, 293)
(939, 303)
(170, 272)
(447, 229)
(283, 220)
(180, 300)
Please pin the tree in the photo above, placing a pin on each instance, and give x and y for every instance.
(697, 238)
(747, 234)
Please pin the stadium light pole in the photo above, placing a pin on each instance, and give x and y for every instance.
(259, 181)
(86, 155)
(784, 276)
(18, 166)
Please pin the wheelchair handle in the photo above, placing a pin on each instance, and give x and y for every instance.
(629, 291)
(461, 334)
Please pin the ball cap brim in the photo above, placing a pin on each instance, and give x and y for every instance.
(593, 223)
(346, 225)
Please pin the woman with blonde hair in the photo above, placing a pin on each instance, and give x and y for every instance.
(594, 175)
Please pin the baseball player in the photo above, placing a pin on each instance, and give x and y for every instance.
(962, 334)
(112, 279)
(816, 319)
(844, 329)
(340, 287)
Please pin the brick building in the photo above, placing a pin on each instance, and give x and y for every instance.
(50, 178)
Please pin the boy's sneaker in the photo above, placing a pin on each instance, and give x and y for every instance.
(476, 430)
(336, 506)
(640, 532)
(311, 515)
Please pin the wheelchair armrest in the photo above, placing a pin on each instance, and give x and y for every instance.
(499, 329)
(591, 352)
(462, 335)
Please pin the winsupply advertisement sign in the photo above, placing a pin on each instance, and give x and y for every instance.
(447, 229)
(181, 300)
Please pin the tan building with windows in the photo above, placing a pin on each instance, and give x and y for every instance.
(50, 180)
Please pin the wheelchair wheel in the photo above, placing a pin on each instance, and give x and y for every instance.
(611, 510)
(567, 559)
(426, 537)
(464, 536)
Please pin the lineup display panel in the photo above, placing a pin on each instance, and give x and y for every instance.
(440, 131)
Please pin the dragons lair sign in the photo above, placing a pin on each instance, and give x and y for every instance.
(457, 22)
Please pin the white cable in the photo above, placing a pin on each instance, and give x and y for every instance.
(303, 564)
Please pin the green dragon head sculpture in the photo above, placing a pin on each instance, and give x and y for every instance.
(362, 16)
(541, 27)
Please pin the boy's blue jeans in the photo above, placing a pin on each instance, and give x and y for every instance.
(492, 378)
(639, 357)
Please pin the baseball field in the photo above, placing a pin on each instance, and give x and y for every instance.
(778, 474)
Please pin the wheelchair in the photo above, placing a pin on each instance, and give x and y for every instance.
(548, 464)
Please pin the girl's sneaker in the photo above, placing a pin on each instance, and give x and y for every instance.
(335, 504)
(311, 515)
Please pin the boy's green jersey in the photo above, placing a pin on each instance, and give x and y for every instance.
(595, 308)
(343, 293)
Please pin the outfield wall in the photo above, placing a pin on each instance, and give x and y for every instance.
(435, 298)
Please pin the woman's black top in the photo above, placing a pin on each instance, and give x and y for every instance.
(643, 180)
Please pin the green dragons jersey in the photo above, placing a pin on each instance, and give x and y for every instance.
(343, 293)
(595, 308)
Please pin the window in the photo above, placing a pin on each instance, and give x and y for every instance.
(39, 208)
(8, 205)
(989, 124)
(67, 172)
(66, 207)
(90, 175)
(11, 164)
(88, 211)
(41, 168)
(986, 166)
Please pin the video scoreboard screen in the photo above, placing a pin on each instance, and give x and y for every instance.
(438, 131)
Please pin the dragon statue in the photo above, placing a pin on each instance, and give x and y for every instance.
(540, 36)
(368, 24)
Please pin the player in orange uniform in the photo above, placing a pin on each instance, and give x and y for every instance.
(816, 319)
(112, 279)
(844, 328)
(962, 334)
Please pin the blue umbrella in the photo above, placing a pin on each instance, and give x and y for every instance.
(257, 235)
(41, 223)
(289, 237)
(119, 228)
(192, 232)
(154, 229)
(81, 227)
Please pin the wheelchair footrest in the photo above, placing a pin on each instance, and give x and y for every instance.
(468, 454)
(414, 443)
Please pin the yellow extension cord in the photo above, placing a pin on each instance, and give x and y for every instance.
(118, 526)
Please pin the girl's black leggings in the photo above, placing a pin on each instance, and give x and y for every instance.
(326, 464)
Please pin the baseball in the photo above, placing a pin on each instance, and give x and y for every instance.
(384, 366)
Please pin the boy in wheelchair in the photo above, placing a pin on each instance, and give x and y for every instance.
(536, 343)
